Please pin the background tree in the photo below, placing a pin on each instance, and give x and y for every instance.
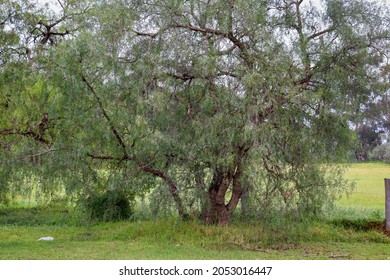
(372, 125)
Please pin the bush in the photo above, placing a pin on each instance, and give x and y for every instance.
(110, 206)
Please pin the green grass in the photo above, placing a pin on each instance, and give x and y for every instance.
(353, 232)
(35, 216)
(369, 178)
(178, 240)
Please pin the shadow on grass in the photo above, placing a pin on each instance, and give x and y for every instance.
(35, 216)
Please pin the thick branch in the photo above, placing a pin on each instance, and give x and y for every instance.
(154, 171)
(236, 191)
(204, 30)
(186, 77)
(317, 34)
(171, 185)
(302, 40)
(227, 35)
(139, 33)
(183, 77)
(305, 80)
(7, 18)
(107, 117)
(27, 133)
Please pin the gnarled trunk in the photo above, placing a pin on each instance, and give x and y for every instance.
(219, 211)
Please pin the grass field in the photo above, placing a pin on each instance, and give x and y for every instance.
(369, 178)
(354, 232)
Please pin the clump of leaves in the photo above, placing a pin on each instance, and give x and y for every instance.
(110, 206)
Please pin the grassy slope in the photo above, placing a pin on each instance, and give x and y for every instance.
(172, 239)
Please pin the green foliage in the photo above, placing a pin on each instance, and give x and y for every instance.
(161, 204)
(381, 153)
(109, 206)
(47, 215)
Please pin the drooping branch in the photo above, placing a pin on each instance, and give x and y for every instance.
(170, 183)
(188, 77)
(204, 30)
(144, 167)
(302, 39)
(46, 32)
(106, 116)
(172, 187)
(8, 17)
(320, 33)
(49, 151)
(145, 34)
(45, 28)
(42, 127)
(228, 35)
(27, 133)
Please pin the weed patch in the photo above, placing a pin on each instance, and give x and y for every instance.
(363, 225)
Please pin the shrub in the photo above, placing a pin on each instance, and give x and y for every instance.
(110, 206)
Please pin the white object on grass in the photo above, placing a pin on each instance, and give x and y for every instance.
(47, 238)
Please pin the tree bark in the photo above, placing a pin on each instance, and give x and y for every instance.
(237, 191)
(210, 216)
(223, 214)
(220, 213)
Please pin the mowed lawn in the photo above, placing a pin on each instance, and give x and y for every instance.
(332, 238)
(370, 190)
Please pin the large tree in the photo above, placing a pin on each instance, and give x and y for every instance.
(214, 99)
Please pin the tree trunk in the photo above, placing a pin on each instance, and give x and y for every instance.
(210, 216)
(223, 215)
(220, 212)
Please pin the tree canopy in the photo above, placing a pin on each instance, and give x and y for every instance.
(200, 104)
